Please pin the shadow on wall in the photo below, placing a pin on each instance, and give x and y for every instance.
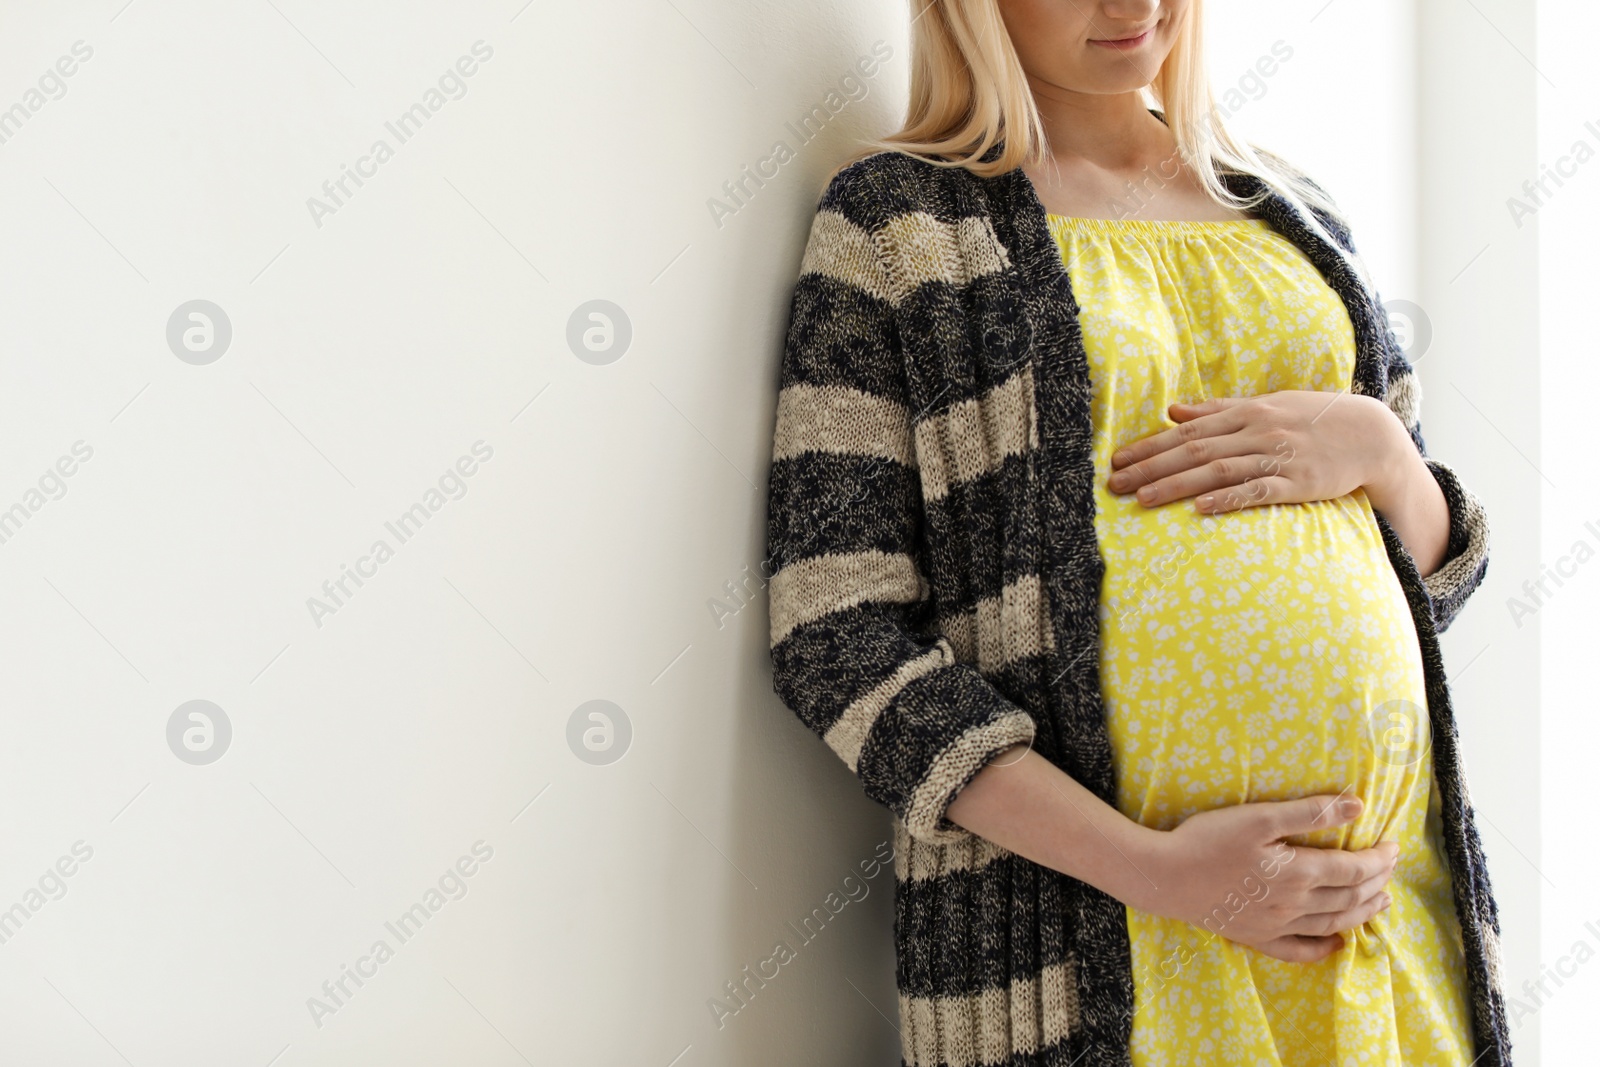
(810, 958)
(812, 980)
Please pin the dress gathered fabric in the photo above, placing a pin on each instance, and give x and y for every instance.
(1261, 654)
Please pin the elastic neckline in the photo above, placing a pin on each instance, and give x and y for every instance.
(1153, 227)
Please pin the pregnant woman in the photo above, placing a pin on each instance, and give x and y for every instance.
(1108, 556)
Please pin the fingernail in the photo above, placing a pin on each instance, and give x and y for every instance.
(1205, 501)
(1147, 494)
(1349, 806)
(1386, 901)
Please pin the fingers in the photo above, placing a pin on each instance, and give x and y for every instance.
(1333, 922)
(1159, 447)
(1296, 949)
(1224, 421)
(1336, 868)
(1241, 495)
(1305, 814)
(1181, 412)
(1240, 468)
(1339, 898)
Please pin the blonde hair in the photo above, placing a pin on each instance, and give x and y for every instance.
(969, 93)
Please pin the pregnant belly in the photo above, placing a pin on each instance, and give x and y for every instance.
(1263, 654)
(1269, 654)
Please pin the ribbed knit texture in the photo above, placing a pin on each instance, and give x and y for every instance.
(936, 581)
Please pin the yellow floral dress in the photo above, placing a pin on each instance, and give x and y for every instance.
(1261, 654)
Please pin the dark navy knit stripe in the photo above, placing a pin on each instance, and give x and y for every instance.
(963, 932)
(832, 503)
(966, 528)
(837, 337)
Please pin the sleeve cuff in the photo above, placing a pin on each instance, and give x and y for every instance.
(1466, 553)
(954, 767)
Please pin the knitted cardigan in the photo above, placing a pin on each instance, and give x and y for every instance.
(935, 580)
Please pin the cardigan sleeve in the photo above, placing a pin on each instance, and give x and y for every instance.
(854, 644)
(1466, 558)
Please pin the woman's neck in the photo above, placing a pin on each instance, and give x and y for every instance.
(1114, 131)
(1110, 157)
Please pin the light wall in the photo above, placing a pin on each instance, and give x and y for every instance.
(1565, 228)
(372, 346)
(1482, 397)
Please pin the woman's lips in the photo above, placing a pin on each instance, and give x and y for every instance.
(1127, 42)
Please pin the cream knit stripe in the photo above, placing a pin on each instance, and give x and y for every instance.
(839, 249)
(849, 733)
(954, 767)
(973, 437)
(1001, 630)
(842, 421)
(1491, 955)
(918, 861)
(989, 1028)
(925, 249)
(809, 589)
(1404, 397)
(1456, 575)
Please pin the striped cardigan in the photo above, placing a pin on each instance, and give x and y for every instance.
(935, 583)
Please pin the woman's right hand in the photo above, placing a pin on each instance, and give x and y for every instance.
(1295, 899)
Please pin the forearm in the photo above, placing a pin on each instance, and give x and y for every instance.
(1405, 492)
(1031, 807)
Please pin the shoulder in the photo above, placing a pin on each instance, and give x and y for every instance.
(874, 189)
(889, 221)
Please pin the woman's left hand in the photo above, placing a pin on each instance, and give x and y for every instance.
(1285, 447)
